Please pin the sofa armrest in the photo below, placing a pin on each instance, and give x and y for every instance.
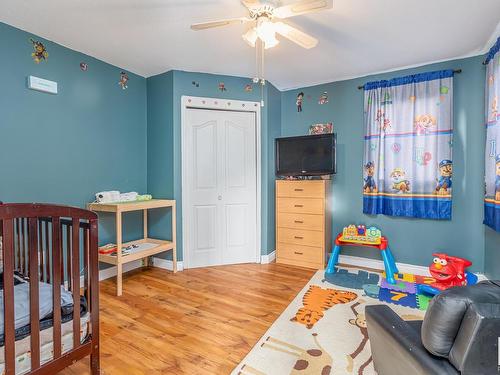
(397, 347)
(475, 349)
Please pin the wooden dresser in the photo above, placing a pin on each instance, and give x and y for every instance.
(303, 222)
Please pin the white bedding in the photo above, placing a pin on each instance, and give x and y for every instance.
(23, 355)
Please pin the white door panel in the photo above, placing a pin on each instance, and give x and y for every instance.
(221, 187)
(205, 157)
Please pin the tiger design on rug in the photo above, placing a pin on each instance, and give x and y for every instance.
(316, 301)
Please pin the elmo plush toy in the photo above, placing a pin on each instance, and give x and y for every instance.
(448, 271)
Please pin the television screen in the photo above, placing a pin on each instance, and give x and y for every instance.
(311, 155)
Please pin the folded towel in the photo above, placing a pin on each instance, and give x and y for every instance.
(128, 197)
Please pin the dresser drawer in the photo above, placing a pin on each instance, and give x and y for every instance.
(301, 221)
(300, 189)
(300, 205)
(300, 237)
(300, 254)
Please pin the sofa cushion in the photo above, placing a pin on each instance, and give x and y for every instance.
(475, 350)
(446, 311)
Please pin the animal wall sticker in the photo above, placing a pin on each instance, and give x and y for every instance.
(123, 80)
(360, 322)
(40, 52)
(299, 101)
(323, 98)
(222, 87)
(316, 301)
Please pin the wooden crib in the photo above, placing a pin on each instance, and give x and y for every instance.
(49, 244)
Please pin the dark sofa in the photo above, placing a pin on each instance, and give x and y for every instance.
(459, 335)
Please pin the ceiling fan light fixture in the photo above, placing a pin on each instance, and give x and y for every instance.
(266, 31)
(250, 37)
(271, 42)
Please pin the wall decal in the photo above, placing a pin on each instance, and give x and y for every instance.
(123, 80)
(323, 99)
(83, 66)
(248, 88)
(299, 101)
(195, 84)
(40, 52)
(222, 87)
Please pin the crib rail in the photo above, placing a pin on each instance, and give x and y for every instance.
(50, 244)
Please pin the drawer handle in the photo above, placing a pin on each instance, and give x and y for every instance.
(299, 237)
(299, 205)
(299, 222)
(298, 253)
(299, 189)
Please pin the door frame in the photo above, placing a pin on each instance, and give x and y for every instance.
(194, 102)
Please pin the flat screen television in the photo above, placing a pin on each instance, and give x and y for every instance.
(310, 155)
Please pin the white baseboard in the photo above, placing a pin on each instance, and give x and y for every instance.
(402, 267)
(379, 265)
(167, 264)
(111, 271)
(269, 258)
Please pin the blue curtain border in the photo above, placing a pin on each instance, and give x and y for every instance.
(426, 208)
(492, 216)
(492, 52)
(414, 78)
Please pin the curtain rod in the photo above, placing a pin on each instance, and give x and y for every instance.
(454, 71)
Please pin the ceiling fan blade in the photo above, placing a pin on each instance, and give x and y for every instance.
(302, 39)
(302, 7)
(209, 25)
(251, 4)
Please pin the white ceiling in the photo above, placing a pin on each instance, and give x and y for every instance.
(356, 37)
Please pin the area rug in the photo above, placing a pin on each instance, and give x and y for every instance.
(323, 331)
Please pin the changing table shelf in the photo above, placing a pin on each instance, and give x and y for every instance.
(142, 248)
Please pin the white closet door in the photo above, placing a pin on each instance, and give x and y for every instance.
(221, 183)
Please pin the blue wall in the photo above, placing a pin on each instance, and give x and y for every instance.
(411, 240)
(93, 136)
(164, 121)
(160, 130)
(64, 148)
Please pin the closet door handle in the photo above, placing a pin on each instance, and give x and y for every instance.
(299, 222)
(299, 237)
(299, 189)
(299, 205)
(298, 253)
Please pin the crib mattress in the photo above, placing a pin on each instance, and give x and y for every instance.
(23, 347)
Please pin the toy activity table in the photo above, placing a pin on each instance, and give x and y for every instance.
(360, 236)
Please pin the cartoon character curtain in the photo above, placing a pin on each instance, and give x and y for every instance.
(408, 146)
(492, 157)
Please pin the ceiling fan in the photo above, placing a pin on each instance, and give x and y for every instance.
(266, 16)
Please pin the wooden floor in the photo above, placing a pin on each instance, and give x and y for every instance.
(200, 321)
